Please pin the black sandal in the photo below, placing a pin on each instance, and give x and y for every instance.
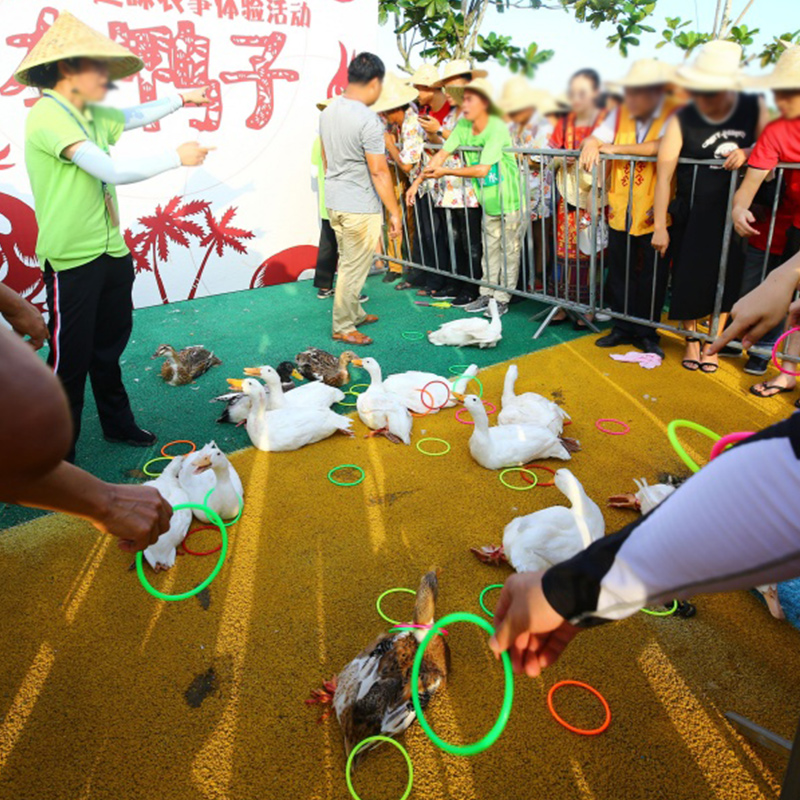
(754, 390)
(686, 361)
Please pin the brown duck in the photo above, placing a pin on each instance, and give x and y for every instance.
(183, 367)
(319, 365)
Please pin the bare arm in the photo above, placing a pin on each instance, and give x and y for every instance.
(434, 164)
(394, 152)
(382, 181)
(643, 149)
(669, 151)
(23, 317)
(743, 199)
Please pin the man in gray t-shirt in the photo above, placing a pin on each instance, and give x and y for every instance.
(357, 179)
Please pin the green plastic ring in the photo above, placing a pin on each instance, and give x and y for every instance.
(241, 507)
(472, 378)
(662, 613)
(458, 369)
(379, 739)
(673, 438)
(433, 439)
(153, 461)
(346, 483)
(350, 390)
(215, 518)
(487, 589)
(518, 488)
(413, 336)
(349, 405)
(508, 697)
(378, 604)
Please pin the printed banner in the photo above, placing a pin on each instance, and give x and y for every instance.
(247, 218)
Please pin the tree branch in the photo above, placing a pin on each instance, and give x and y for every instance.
(744, 11)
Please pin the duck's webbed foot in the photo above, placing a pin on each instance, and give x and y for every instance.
(624, 501)
(490, 554)
(324, 697)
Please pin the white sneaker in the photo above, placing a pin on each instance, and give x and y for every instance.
(601, 317)
(481, 304)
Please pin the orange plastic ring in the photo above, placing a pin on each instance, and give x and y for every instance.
(422, 391)
(538, 466)
(581, 731)
(178, 441)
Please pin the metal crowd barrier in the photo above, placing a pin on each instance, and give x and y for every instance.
(552, 279)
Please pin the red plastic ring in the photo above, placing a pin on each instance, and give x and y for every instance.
(465, 422)
(423, 392)
(201, 552)
(612, 433)
(581, 731)
(775, 353)
(179, 441)
(538, 466)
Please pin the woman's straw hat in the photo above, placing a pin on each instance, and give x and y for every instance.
(395, 94)
(426, 75)
(68, 37)
(485, 89)
(717, 68)
(786, 74)
(647, 72)
(452, 69)
(519, 95)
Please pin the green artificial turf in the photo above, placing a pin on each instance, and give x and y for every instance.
(266, 326)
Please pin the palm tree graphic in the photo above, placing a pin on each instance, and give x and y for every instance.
(220, 235)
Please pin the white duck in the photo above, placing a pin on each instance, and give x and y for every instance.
(512, 445)
(209, 468)
(646, 499)
(161, 554)
(383, 411)
(285, 429)
(408, 385)
(529, 408)
(470, 331)
(314, 394)
(538, 541)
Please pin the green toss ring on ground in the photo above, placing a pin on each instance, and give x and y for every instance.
(354, 386)
(662, 613)
(215, 518)
(241, 507)
(413, 336)
(380, 610)
(379, 739)
(673, 438)
(433, 439)
(346, 483)
(348, 405)
(523, 471)
(508, 698)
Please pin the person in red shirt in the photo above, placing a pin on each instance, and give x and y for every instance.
(779, 143)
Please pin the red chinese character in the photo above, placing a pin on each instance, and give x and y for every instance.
(301, 16)
(117, 3)
(277, 12)
(262, 74)
(253, 10)
(199, 6)
(180, 59)
(145, 5)
(227, 8)
(47, 16)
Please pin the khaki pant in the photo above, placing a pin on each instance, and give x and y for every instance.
(501, 255)
(356, 236)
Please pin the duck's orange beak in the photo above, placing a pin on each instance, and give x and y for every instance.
(254, 371)
(235, 383)
(458, 396)
(357, 362)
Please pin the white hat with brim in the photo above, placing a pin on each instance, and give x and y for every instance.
(717, 68)
(426, 75)
(519, 95)
(395, 93)
(68, 37)
(485, 89)
(452, 69)
(785, 76)
(643, 73)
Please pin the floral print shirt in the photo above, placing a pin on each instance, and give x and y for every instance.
(536, 133)
(410, 142)
(450, 191)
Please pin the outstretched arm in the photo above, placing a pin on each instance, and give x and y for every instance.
(148, 113)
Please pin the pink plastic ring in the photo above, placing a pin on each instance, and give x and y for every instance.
(616, 422)
(775, 352)
(728, 440)
(419, 626)
(423, 391)
(462, 410)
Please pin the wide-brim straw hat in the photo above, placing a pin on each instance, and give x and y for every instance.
(577, 191)
(68, 37)
(485, 89)
(646, 72)
(452, 69)
(519, 95)
(717, 68)
(425, 75)
(786, 74)
(395, 93)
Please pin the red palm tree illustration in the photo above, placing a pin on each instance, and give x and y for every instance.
(170, 224)
(220, 235)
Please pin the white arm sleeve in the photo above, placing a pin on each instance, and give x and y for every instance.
(147, 113)
(607, 129)
(118, 171)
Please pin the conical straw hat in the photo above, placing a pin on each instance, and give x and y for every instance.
(426, 75)
(395, 94)
(717, 68)
(485, 89)
(786, 74)
(68, 37)
(647, 72)
(460, 66)
(519, 95)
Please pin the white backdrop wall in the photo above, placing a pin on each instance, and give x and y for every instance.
(247, 218)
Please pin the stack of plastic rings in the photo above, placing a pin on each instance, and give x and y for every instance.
(523, 472)
(353, 394)
(775, 348)
(467, 422)
(673, 438)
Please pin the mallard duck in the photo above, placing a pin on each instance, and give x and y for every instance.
(470, 331)
(551, 535)
(161, 554)
(315, 394)
(512, 445)
(529, 408)
(318, 365)
(372, 694)
(408, 385)
(237, 404)
(646, 499)
(382, 411)
(209, 468)
(180, 368)
(286, 428)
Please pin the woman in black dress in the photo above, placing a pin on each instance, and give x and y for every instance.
(722, 124)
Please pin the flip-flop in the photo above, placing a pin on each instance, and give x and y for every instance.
(424, 293)
(402, 286)
(778, 390)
